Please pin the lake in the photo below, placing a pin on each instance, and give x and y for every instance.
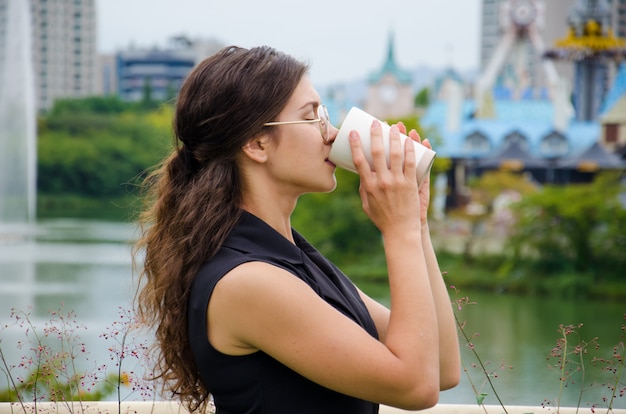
(85, 267)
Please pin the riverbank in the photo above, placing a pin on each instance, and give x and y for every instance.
(472, 259)
(478, 260)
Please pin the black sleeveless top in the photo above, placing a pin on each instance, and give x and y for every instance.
(257, 383)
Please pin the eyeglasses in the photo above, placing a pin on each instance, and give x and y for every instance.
(322, 118)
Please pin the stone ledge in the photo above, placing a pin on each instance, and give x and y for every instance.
(170, 407)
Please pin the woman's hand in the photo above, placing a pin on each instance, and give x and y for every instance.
(424, 189)
(389, 193)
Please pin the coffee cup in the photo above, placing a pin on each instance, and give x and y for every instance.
(361, 121)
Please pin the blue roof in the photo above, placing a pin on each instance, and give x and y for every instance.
(532, 119)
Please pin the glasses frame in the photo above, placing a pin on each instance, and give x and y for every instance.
(322, 117)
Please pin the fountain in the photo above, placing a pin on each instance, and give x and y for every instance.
(18, 145)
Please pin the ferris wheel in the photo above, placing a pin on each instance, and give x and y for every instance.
(520, 23)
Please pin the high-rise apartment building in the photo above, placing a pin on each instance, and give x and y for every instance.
(64, 48)
(65, 55)
(618, 14)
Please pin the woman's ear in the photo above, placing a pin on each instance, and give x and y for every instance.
(257, 149)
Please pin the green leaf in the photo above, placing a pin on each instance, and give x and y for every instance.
(480, 398)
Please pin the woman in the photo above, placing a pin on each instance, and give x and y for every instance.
(244, 308)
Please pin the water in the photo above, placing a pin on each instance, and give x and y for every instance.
(18, 147)
(520, 332)
(82, 267)
(85, 266)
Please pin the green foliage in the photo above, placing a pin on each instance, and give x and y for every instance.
(48, 379)
(576, 230)
(440, 165)
(336, 224)
(422, 98)
(492, 183)
(99, 105)
(98, 147)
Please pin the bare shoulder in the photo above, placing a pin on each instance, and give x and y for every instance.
(247, 304)
(253, 277)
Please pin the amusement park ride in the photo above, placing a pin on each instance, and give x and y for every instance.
(593, 48)
(520, 22)
(590, 45)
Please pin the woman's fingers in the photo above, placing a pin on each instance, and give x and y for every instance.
(396, 159)
(415, 136)
(379, 160)
(410, 161)
(358, 156)
(396, 152)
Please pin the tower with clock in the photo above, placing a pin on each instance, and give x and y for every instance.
(390, 91)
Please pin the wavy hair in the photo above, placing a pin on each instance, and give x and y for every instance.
(192, 199)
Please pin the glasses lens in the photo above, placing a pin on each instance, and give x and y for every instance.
(322, 114)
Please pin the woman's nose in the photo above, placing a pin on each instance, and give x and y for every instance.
(333, 131)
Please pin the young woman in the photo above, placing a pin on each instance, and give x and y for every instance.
(247, 311)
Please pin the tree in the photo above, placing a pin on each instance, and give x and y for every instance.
(422, 98)
(575, 228)
(336, 224)
(100, 149)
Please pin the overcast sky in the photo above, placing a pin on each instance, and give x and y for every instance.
(341, 39)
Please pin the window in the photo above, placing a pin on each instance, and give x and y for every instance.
(610, 133)
(554, 144)
(516, 137)
(477, 143)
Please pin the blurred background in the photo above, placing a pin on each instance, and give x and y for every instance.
(523, 100)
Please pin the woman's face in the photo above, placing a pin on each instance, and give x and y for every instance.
(299, 156)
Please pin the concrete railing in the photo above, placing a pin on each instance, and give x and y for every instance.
(166, 407)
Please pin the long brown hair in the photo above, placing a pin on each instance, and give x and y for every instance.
(193, 199)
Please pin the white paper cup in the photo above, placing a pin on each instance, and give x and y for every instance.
(361, 121)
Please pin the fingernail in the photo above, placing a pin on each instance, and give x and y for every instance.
(375, 123)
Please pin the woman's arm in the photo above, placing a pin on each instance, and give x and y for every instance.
(450, 365)
(450, 370)
(449, 353)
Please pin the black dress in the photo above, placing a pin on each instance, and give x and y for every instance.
(257, 383)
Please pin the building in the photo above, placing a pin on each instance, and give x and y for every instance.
(390, 89)
(156, 74)
(106, 75)
(594, 51)
(618, 14)
(64, 49)
(613, 120)
(545, 137)
(152, 74)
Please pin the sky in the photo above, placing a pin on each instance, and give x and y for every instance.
(342, 40)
